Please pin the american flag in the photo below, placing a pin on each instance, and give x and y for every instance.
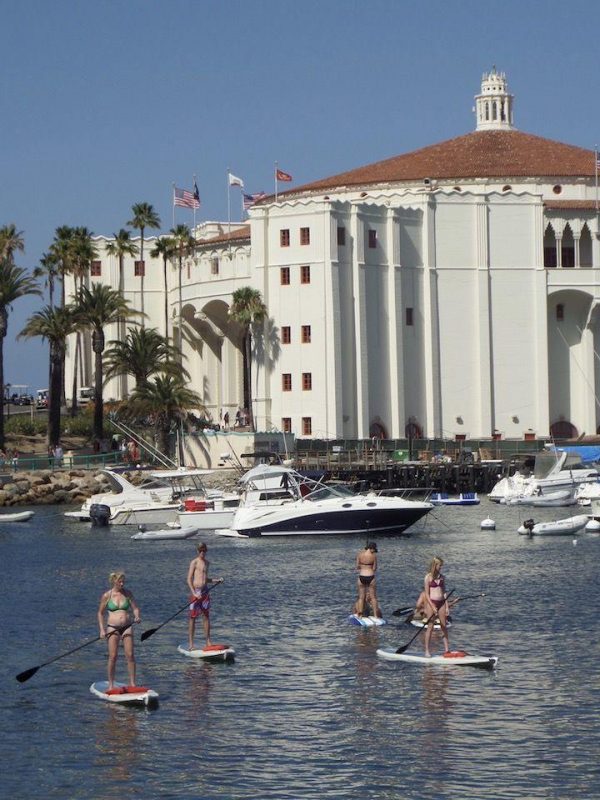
(283, 176)
(250, 199)
(181, 197)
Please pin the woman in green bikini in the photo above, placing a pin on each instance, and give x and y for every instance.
(120, 606)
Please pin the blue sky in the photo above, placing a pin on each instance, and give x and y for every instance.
(108, 103)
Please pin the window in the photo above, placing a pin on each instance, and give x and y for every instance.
(286, 382)
(306, 334)
(139, 269)
(286, 334)
(341, 236)
(304, 274)
(96, 269)
(284, 237)
(284, 275)
(304, 235)
(306, 381)
(286, 424)
(550, 256)
(372, 238)
(306, 426)
(214, 265)
(409, 316)
(560, 312)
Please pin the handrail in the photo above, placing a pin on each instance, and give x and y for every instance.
(143, 444)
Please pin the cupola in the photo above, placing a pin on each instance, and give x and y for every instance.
(494, 105)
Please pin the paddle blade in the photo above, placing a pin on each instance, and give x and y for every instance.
(147, 634)
(28, 673)
(403, 610)
(404, 648)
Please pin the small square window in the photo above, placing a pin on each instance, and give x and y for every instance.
(286, 334)
(372, 238)
(304, 235)
(341, 236)
(306, 381)
(286, 424)
(409, 316)
(96, 269)
(284, 275)
(560, 312)
(284, 237)
(139, 269)
(306, 334)
(286, 382)
(304, 274)
(214, 265)
(307, 426)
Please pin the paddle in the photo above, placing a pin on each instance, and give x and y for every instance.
(29, 673)
(420, 630)
(403, 610)
(409, 616)
(151, 631)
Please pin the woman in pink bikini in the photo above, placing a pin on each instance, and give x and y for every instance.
(436, 602)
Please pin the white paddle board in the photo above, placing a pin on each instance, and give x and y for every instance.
(365, 622)
(420, 623)
(455, 658)
(124, 694)
(213, 652)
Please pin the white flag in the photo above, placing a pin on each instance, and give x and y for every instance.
(233, 181)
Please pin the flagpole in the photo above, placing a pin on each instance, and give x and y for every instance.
(596, 169)
(276, 181)
(229, 208)
(173, 203)
(194, 209)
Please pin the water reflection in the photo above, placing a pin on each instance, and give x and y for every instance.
(117, 742)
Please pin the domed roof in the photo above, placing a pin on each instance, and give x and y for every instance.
(502, 154)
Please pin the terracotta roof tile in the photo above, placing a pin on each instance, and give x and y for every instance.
(238, 234)
(586, 205)
(481, 154)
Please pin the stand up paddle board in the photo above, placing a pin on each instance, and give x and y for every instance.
(455, 658)
(420, 623)
(212, 652)
(365, 622)
(121, 693)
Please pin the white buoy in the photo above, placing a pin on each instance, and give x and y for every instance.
(488, 525)
(593, 526)
(574, 541)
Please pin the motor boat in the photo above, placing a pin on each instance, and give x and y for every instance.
(553, 472)
(463, 499)
(158, 499)
(559, 527)
(278, 501)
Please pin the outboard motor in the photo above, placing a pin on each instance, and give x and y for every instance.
(99, 515)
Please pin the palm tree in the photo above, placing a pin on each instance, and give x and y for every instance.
(49, 269)
(96, 308)
(167, 400)
(184, 244)
(122, 246)
(14, 283)
(54, 324)
(11, 240)
(165, 248)
(143, 353)
(61, 250)
(247, 309)
(144, 216)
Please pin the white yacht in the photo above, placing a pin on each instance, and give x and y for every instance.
(278, 501)
(554, 481)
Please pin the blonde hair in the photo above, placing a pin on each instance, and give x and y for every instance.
(114, 577)
(436, 561)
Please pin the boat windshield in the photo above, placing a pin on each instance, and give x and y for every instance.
(327, 492)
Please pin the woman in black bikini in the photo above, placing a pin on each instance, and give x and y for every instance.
(436, 602)
(119, 603)
(366, 566)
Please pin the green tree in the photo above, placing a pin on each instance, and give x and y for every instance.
(144, 216)
(184, 244)
(11, 240)
(61, 251)
(53, 324)
(96, 308)
(166, 400)
(143, 353)
(14, 283)
(165, 248)
(248, 310)
(49, 269)
(122, 246)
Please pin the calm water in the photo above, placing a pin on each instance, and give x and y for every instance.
(307, 710)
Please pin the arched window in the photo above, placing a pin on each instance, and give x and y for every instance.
(563, 430)
(568, 248)
(585, 247)
(412, 430)
(549, 247)
(377, 431)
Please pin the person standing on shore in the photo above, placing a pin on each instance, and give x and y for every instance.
(436, 602)
(366, 566)
(198, 582)
(119, 603)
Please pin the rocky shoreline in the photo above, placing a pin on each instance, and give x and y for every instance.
(73, 486)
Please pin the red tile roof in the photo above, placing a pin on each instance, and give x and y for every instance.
(585, 205)
(239, 234)
(502, 154)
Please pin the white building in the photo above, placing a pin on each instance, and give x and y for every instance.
(450, 291)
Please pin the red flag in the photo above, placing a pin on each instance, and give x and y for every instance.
(283, 176)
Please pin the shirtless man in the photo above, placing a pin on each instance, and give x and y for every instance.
(366, 566)
(197, 581)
